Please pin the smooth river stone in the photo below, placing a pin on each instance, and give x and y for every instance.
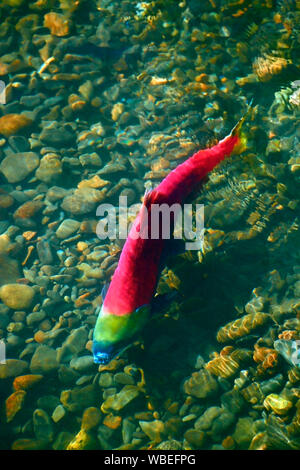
(83, 200)
(12, 368)
(17, 166)
(43, 360)
(17, 296)
(67, 228)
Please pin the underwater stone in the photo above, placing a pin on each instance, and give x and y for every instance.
(73, 345)
(82, 363)
(201, 384)
(43, 360)
(195, 437)
(221, 423)
(289, 350)
(128, 428)
(58, 413)
(91, 418)
(233, 401)
(79, 398)
(62, 440)
(153, 429)
(11, 124)
(83, 441)
(25, 382)
(67, 228)
(12, 368)
(244, 432)
(48, 402)
(14, 403)
(120, 400)
(105, 379)
(17, 166)
(280, 405)
(204, 422)
(42, 425)
(171, 444)
(50, 168)
(57, 136)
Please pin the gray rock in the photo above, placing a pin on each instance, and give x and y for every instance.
(67, 228)
(105, 379)
(43, 360)
(12, 368)
(35, 317)
(19, 143)
(44, 252)
(73, 345)
(82, 363)
(57, 136)
(18, 166)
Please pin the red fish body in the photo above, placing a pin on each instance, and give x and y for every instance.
(126, 306)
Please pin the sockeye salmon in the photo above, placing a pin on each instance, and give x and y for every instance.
(127, 304)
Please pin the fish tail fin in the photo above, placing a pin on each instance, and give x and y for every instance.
(239, 131)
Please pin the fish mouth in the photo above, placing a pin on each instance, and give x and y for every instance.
(104, 357)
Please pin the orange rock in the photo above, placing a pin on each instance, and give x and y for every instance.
(228, 443)
(58, 25)
(28, 209)
(25, 382)
(10, 124)
(28, 444)
(29, 235)
(39, 336)
(13, 404)
(112, 422)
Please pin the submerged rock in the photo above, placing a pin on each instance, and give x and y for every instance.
(12, 368)
(17, 166)
(201, 384)
(43, 360)
(120, 400)
(17, 296)
(42, 425)
(14, 403)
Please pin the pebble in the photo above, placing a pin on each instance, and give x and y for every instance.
(44, 360)
(57, 136)
(17, 296)
(153, 429)
(124, 379)
(14, 403)
(83, 200)
(90, 418)
(50, 169)
(118, 401)
(195, 438)
(105, 379)
(17, 166)
(67, 228)
(11, 124)
(42, 425)
(35, 317)
(79, 398)
(58, 413)
(81, 364)
(73, 345)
